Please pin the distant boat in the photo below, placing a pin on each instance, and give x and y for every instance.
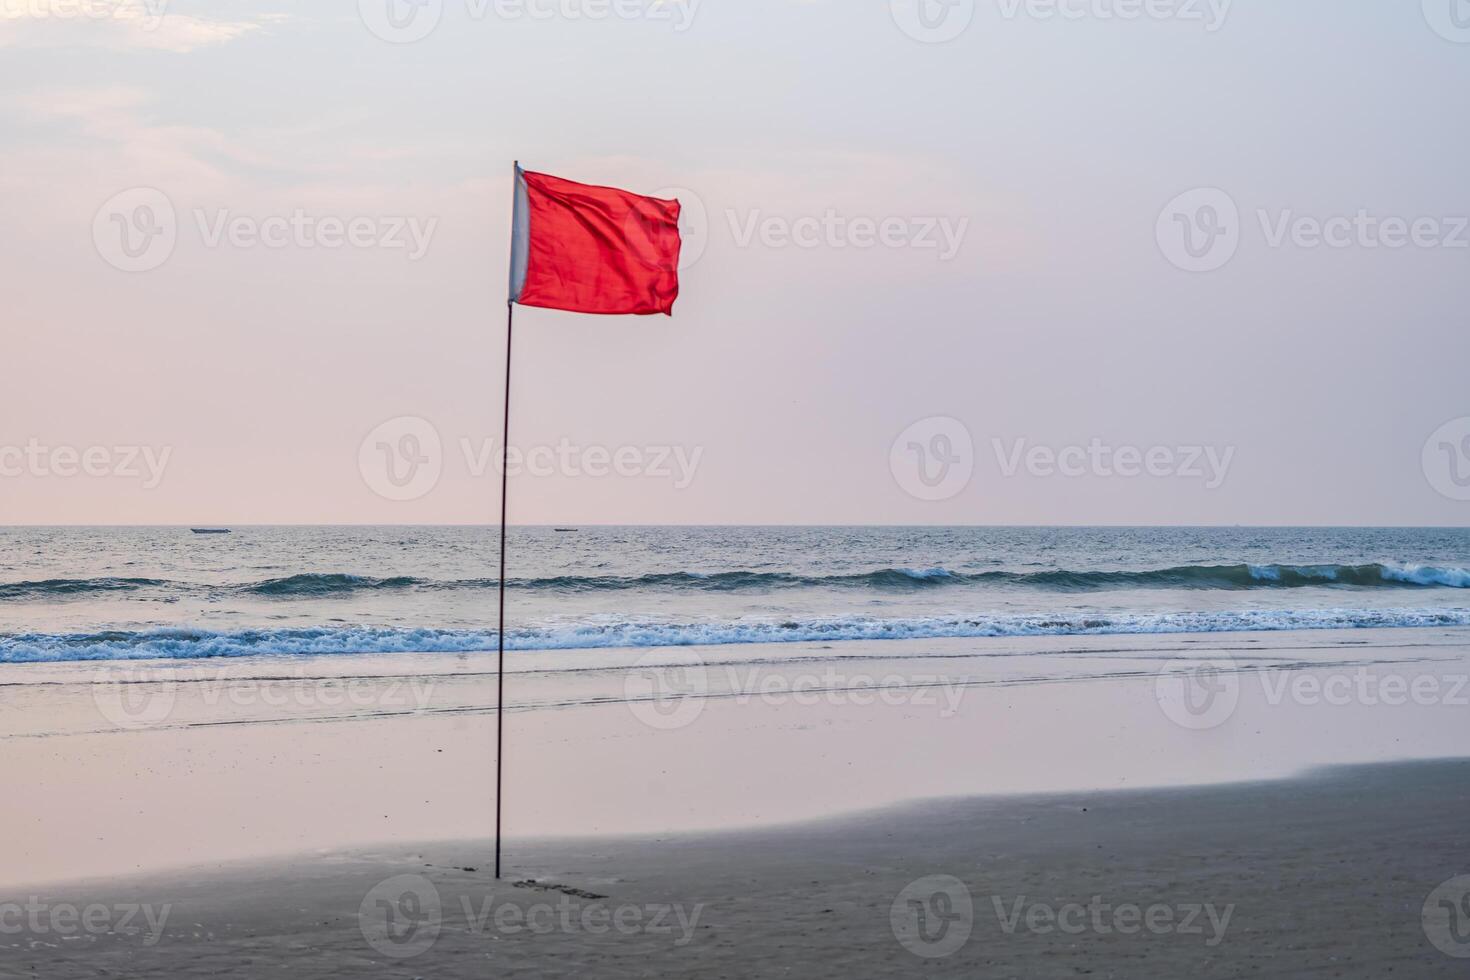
(210, 530)
(564, 530)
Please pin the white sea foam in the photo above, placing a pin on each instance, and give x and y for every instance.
(192, 644)
(1456, 578)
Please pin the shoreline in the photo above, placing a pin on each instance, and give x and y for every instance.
(1327, 872)
(189, 766)
(142, 644)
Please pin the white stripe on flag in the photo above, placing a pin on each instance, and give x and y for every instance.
(520, 237)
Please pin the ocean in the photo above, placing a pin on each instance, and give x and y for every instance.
(105, 593)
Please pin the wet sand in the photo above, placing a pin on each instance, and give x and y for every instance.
(1323, 875)
(195, 764)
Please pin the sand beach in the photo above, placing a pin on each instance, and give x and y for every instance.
(779, 800)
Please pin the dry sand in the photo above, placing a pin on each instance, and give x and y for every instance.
(1320, 876)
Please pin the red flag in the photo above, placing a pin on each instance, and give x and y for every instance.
(592, 249)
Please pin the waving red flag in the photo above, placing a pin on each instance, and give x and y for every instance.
(592, 249)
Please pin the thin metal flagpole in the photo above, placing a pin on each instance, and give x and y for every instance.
(510, 313)
(510, 309)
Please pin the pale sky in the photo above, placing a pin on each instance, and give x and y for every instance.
(886, 227)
